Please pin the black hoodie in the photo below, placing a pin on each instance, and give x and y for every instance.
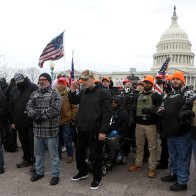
(20, 98)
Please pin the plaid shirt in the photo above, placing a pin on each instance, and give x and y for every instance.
(48, 102)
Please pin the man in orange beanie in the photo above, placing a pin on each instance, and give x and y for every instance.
(146, 104)
(177, 131)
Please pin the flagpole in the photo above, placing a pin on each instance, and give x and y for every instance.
(64, 50)
(72, 63)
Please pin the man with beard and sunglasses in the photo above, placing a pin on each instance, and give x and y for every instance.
(146, 104)
(177, 130)
(21, 121)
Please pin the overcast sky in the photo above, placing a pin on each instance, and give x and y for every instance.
(106, 35)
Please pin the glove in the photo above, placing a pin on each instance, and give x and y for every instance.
(38, 117)
(188, 114)
(113, 133)
(146, 111)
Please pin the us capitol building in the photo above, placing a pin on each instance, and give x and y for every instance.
(174, 42)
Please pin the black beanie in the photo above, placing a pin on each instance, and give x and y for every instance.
(47, 76)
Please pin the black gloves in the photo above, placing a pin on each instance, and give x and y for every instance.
(188, 114)
(38, 117)
(146, 111)
(149, 111)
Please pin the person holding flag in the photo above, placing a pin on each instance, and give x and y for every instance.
(159, 87)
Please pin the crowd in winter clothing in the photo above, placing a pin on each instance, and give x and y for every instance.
(89, 113)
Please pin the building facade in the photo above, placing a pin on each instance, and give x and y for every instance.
(174, 42)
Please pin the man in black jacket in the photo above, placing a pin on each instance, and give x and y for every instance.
(92, 120)
(21, 121)
(178, 135)
(3, 119)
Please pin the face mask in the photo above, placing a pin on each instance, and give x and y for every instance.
(21, 85)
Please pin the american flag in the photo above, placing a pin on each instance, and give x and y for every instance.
(71, 77)
(161, 74)
(54, 50)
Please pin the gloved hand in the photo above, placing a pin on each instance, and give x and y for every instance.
(113, 133)
(147, 111)
(188, 114)
(38, 117)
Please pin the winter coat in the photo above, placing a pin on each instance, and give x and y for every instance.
(95, 109)
(68, 111)
(18, 104)
(172, 123)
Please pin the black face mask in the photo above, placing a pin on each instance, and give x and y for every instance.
(21, 85)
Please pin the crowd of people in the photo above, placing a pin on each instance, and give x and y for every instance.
(83, 116)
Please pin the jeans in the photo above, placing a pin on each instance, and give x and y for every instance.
(180, 151)
(194, 149)
(1, 149)
(39, 149)
(67, 136)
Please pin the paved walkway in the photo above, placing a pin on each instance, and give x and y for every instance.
(117, 182)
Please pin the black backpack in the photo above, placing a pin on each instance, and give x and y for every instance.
(10, 139)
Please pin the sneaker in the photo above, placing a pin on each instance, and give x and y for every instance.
(2, 170)
(36, 177)
(134, 167)
(54, 180)
(178, 187)
(95, 184)
(69, 159)
(170, 178)
(24, 163)
(79, 177)
(152, 173)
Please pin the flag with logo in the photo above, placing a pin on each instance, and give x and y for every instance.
(161, 74)
(54, 50)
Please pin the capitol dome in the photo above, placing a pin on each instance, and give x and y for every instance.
(174, 42)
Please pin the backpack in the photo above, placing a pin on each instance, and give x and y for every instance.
(10, 140)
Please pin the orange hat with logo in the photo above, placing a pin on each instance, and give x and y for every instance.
(179, 75)
(106, 78)
(149, 78)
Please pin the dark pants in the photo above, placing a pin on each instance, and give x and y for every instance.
(1, 148)
(89, 140)
(27, 141)
(164, 152)
(66, 137)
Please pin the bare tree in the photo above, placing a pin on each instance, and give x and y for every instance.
(5, 71)
(33, 73)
